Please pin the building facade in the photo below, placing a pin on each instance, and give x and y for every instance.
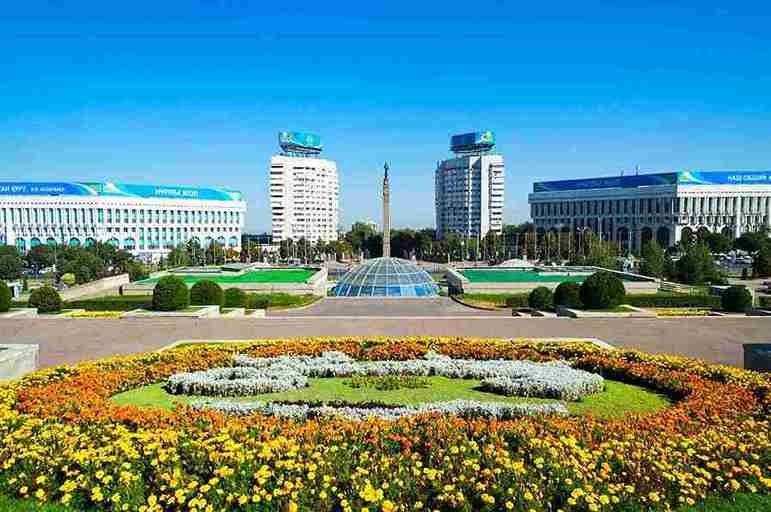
(304, 195)
(630, 210)
(469, 195)
(146, 220)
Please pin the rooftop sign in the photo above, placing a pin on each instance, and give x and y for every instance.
(472, 142)
(648, 180)
(110, 189)
(300, 142)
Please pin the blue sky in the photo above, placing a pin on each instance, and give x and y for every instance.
(195, 92)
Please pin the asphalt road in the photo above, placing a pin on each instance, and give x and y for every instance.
(72, 340)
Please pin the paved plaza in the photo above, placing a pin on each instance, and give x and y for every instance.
(386, 307)
(72, 340)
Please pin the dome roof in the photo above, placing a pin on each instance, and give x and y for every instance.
(386, 277)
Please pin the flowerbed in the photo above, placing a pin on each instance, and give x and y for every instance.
(61, 439)
(274, 374)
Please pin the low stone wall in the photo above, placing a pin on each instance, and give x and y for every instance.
(17, 359)
(95, 288)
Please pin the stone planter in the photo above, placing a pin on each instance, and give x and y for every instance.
(17, 359)
(19, 313)
(194, 312)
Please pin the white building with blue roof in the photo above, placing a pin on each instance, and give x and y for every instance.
(632, 209)
(146, 220)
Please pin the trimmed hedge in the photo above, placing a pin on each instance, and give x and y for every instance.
(170, 294)
(206, 293)
(117, 303)
(602, 290)
(736, 299)
(519, 300)
(764, 302)
(568, 294)
(45, 299)
(235, 298)
(5, 297)
(673, 300)
(255, 301)
(541, 298)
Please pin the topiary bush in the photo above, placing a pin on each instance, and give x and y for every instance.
(736, 299)
(602, 290)
(257, 302)
(235, 298)
(568, 294)
(5, 297)
(206, 293)
(69, 279)
(46, 300)
(541, 298)
(170, 294)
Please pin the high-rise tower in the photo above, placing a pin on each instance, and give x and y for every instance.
(304, 190)
(469, 188)
(386, 214)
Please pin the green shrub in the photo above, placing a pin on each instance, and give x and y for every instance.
(764, 302)
(45, 299)
(206, 293)
(122, 303)
(519, 300)
(541, 298)
(69, 279)
(673, 300)
(170, 294)
(235, 298)
(5, 297)
(736, 299)
(137, 271)
(568, 294)
(602, 290)
(256, 301)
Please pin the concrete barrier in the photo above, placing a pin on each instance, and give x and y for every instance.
(17, 359)
(95, 288)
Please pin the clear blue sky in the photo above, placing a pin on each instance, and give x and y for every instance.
(195, 92)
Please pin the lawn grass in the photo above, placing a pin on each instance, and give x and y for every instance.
(286, 300)
(741, 502)
(617, 400)
(615, 309)
(492, 300)
(288, 275)
(737, 503)
(13, 505)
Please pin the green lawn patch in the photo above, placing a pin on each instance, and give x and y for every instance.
(14, 505)
(517, 276)
(737, 503)
(494, 300)
(289, 275)
(617, 400)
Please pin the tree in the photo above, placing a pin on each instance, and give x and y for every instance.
(596, 253)
(653, 262)
(696, 266)
(718, 243)
(10, 266)
(761, 263)
(751, 242)
(40, 256)
(85, 264)
(180, 256)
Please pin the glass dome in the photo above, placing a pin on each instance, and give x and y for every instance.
(386, 277)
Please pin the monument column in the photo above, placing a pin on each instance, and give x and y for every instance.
(386, 214)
